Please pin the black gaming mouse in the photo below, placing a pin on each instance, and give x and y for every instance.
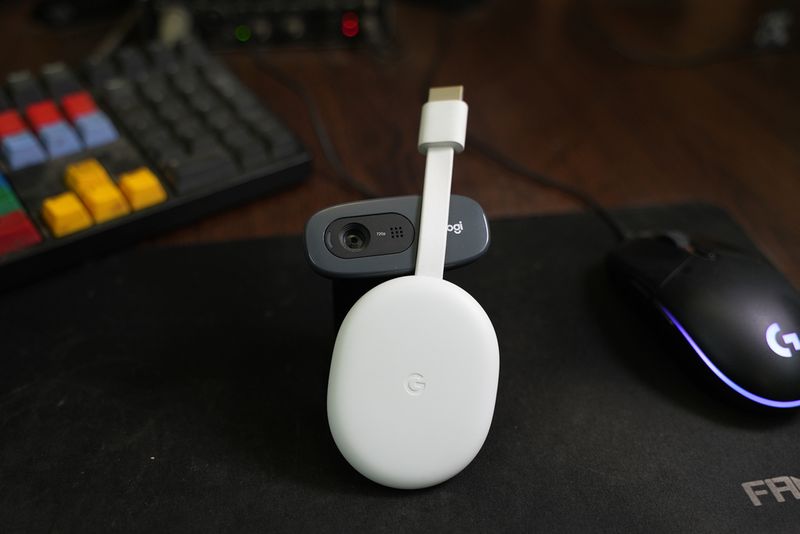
(738, 313)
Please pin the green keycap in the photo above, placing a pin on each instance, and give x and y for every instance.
(8, 201)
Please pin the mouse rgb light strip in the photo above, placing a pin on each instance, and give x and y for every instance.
(730, 383)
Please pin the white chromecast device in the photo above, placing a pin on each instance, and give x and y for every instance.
(414, 372)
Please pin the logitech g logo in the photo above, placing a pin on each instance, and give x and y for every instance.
(415, 384)
(789, 339)
(777, 486)
(456, 228)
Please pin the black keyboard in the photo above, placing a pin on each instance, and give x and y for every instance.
(147, 140)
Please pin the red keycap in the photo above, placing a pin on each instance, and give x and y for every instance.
(42, 113)
(16, 232)
(77, 104)
(10, 123)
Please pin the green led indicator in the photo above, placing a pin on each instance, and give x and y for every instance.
(243, 33)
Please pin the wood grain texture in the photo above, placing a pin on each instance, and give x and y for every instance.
(545, 82)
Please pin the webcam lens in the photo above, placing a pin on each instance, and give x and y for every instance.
(354, 237)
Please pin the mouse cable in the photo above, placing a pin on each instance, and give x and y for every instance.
(493, 154)
(325, 141)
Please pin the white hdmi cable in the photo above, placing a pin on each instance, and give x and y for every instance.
(442, 131)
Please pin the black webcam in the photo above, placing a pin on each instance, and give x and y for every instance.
(361, 244)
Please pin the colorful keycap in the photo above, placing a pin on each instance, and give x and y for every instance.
(88, 171)
(96, 129)
(8, 200)
(22, 150)
(16, 232)
(90, 181)
(142, 188)
(64, 214)
(78, 104)
(42, 114)
(60, 139)
(11, 123)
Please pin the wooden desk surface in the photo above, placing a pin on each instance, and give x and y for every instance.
(546, 82)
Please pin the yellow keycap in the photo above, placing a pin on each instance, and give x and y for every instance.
(105, 202)
(85, 173)
(64, 214)
(93, 185)
(142, 188)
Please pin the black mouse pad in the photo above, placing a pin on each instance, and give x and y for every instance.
(183, 390)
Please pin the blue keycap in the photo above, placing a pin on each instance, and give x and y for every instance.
(22, 150)
(60, 139)
(4, 182)
(96, 129)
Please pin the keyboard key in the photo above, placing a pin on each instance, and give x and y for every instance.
(24, 89)
(236, 136)
(204, 101)
(11, 123)
(141, 122)
(162, 57)
(84, 173)
(64, 214)
(120, 95)
(96, 129)
(221, 80)
(199, 171)
(105, 202)
(249, 150)
(185, 80)
(16, 232)
(142, 188)
(78, 104)
(99, 71)
(221, 119)
(22, 150)
(193, 52)
(93, 185)
(172, 110)
(158, 142)
(60, 139)
(42, 114)
(189, 128)
(203, 143)
(59, 79)
(8, 200)
(155, 89)
(133, 64)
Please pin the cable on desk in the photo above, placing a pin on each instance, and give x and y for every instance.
(584, 198)
(325, 141)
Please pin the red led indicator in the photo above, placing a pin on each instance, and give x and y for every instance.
(350, 24)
